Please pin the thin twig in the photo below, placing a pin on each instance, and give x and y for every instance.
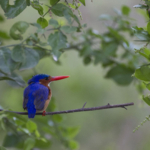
(47, 12)
(21, 43)
(25, 39)
(84, 105)
(108, 106)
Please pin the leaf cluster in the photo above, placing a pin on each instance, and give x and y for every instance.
(27, 53)
(53, 38)
(26, 134)
(143, 35)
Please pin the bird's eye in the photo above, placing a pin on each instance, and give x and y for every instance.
(46, 78)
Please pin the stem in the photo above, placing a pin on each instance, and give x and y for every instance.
(47, 12)
(43, 48)
(21, 43)
(9, 45)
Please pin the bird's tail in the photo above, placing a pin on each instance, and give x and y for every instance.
(31, 109)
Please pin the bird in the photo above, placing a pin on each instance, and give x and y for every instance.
(37, 94)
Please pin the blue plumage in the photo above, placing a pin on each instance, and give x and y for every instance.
(35, 96)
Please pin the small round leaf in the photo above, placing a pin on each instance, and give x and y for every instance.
(43, 22)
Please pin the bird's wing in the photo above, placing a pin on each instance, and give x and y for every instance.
(26, 97)
(41, 97)
(39, 94)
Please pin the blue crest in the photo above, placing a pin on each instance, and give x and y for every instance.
(37, 77)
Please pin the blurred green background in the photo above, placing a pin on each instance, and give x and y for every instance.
(104, 129)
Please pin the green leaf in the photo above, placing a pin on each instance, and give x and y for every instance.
(2, 148)
(18, 53)
(36, 25)
(57, 41)
(4, 35)
(53, 2)
(42, 143)
(20, 27)
(37, 134)
(43, 22)
(35, 37)
(86, 50)
(68, 29)
(99, 57)
(2, 19)
(82, 1)
(148, 27)
(53, 23)
(141, 6)
(15, 80)
(143, 73)
(12, 11)
(31, 59)
(94, 33)
(10, 64)
(28, 2)
(109, 48)
(147, 85)
(125, 10)
(38, 7)
(72, 6)
(29, 143)
(31, 126)
(6, 78)
(73, 144)
(10, 140)
(3, 63)
(120, 74)
(142, 12)
(145, 53)
(62, 10)
(59, 9)
(76, 19)
(141, 33)
(72, 132)
(118, 36)
(87, 60)
(68, 14)
(146, 99)
(42, 52)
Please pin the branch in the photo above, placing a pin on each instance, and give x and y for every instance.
(108, 106)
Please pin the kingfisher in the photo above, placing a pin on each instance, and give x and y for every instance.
(37, 94)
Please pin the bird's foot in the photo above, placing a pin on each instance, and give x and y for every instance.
(44, 113)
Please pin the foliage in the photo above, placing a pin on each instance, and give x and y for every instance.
(143, 35)
(51, 38)
(33, 136)
(93, 48)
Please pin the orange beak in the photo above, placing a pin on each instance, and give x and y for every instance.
(58, 78)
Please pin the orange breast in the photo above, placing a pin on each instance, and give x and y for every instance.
(48, 100)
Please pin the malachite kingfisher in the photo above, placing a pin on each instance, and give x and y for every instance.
(37, 94)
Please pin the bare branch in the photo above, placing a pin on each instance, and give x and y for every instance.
(108, 106)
